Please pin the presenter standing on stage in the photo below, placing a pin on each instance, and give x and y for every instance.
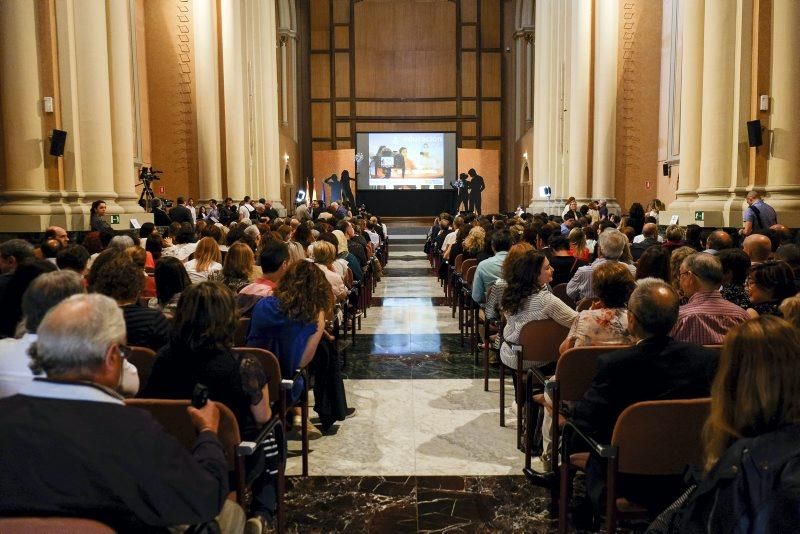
(347, 192)
(462, 193)
(336, 188)
(476, 186)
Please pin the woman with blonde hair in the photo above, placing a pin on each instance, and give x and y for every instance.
(206, 260)
(790, 308)
(324, 254)
(296, 252)
(752, 457)
(237, 270)
(475, 244)
(577, 244)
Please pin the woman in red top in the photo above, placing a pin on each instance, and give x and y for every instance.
(577, 245)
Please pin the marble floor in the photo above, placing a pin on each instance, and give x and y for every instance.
(424, 451)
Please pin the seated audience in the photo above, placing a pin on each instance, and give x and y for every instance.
(43, 294)
(707, 317)
(735, 267)
(641, 237)
(13, 253)
(790, 253)
(657, 367)
(475, 245)
(206, 260)
(675, 238)
(489, 270)
(654, 263)
(123, 281)
(612, 244)
(120, 468)
(692, 237)
(606, 322)
(564, 264)
(182, 245)
(675, 262)
(324, 254)
(790, 308)
(649, 239)
(527, 298)
(758, 247)
(577, 245)
(752, 461)
(138, 256)
(495, 297)
(73, 258)
(237, 268)
(343, 253)
(768, 284)
(11, 310)
(718, 240)
(171, 279)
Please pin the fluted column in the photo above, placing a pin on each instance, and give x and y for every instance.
(542, 105)
(269, 88)
(691, 21)
(605, 98)
(209, 152)
(120, 68)
(24, 148)
(580, 85)
(93, 101)
(717, 116)
(783, 181)
(233, 73)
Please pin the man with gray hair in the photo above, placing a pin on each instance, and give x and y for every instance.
(612, 244)
(44, 293)
(758, 216)
(13, 253)
(657, 367)
(707, 317)
(78, 450)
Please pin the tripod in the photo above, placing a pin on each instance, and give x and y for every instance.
(147, 196)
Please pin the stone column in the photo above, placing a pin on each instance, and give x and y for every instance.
(691, 20)
(783, 178)
(273, 159)
(716, 138)
(542, 105)
(24, 147)
(120, 69)
(605, 99)
(580, 63)
(209, 151)
(233, 75)
(93, 102)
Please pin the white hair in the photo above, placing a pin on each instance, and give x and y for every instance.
(121, 242)
(612, 244)
(252, 231)
(74, 336)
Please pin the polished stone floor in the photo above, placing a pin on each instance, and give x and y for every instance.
(424, 451)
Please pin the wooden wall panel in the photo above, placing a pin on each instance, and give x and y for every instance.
(341, 37)
(468, 108)
(408, 109)
(490, 24)
(468, 129)
(469, 10)
(469, 37)
(320, 24)
(490, 119)
(342, 74)
(341, 11)
(406, 127)
(491, 75)
(320, 119)
(321, 76)
(342, 109)
(468, 74)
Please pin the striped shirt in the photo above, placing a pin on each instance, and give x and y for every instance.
(707, 318)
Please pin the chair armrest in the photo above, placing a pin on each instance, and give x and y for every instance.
(603, 451)
(287, 383)
(248, 448)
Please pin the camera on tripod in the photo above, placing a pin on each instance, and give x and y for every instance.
(148, 174)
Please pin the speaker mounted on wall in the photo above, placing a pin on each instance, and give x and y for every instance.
(754, 133)
(57, 141)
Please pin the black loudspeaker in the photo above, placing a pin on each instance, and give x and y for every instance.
(754, 133)
(57, 142)
(665, 169)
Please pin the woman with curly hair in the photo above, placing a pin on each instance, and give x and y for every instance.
(475, 244)
(206, 260)
(237, 270)
(291, 323)
(527, 298)
(752, 461)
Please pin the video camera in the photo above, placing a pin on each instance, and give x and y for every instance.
(148, 174)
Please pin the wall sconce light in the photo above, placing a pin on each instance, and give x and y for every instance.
(286, 158)
(525, 155)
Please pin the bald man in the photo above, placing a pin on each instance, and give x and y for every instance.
(57, 233)
(718, 240)
(758, 247)
(657, 367)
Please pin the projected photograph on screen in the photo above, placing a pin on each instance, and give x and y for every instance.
(404, 160)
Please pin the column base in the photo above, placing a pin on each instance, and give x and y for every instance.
(25, 216)
(718, 210)
(786, 202)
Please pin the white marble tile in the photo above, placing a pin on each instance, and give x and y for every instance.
(410, 286)
(421, 263)
(409, 320)
(418, 427)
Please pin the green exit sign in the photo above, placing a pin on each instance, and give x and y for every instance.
(115, 219)
(699, 215)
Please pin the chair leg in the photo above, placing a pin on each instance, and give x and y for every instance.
(461, 304)
(502, 396)
(563, 499)
(528, 418)
(486, 356)
(304, 432)
(518, 395)
(611, 496)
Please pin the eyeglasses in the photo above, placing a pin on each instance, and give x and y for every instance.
(124, 351)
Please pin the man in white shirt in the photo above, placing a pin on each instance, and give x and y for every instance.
(245, 209)
(44, 293)
(192, 210)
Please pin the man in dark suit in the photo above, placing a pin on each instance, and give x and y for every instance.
(269, 211)
(650, 233)
(656, 368)
(180, 213)
(160, 217)
(476, 187)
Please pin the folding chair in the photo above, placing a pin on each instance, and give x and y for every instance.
(52, 525)
(657, 438)
(538, 341)
(240, 336)
(143, 359)
(560, 291)
(467, 305)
